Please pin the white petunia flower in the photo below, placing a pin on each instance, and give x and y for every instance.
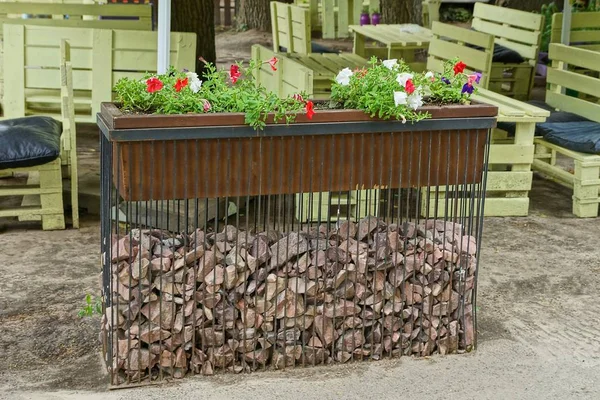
(390, 64)
(194, 82)
(415, 100)
(403, 77)
(343, 78)
(429, 75)
(399, 98)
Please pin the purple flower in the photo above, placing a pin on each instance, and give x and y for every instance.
(467, 88)
(478, 75)
(445, 80)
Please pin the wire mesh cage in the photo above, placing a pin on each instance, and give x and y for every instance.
(225, 250)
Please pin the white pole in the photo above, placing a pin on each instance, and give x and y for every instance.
(566, 24)
(164, 35)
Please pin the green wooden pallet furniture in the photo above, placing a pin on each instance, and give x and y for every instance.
(510, 175)
(299, 67)
(585, 30)
(516, 30)
(100, 57)
(585, 177)
(47, 185)
(396, 41)
(430, 12)
(332, 17)
(451, 41)
(333, 206)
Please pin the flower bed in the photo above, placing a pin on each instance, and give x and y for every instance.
(239, 301)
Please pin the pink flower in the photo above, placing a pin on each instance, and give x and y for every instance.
(272, 63)
(474, 78)
(298, 97)
(180, 84)
(153, 85)
(206, 106)
(234, 73)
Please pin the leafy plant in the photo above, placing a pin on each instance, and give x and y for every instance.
(455, 14)
(91, 307)
(389, 89)
(365, 10)
(236, 90)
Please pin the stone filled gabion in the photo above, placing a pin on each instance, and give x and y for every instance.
(240, 301)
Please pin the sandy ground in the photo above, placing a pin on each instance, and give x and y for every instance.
(538, 316)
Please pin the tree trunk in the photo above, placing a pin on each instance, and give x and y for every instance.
(256, 14)
(196, 16)
(400, 11)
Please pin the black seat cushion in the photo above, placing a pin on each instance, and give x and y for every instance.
(505, 55)
(577, 136)
(29, 141)
(555, 116)
(314, 48)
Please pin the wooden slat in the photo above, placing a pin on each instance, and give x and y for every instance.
(583, 58)
(14, 59)
(29, 211)
(579, 21)
(572, 104)
(508, 16)
(462, 35)
(112, 10)
(501, 181)
(475, 59)
(511, 154)
(574, 81)
(507, 32)
(494, 207)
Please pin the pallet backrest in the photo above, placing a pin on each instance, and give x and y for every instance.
(514, 29)
(451, 41)
(585, 30)
(291, 28)
(128, 16)
(100, 57)
(560, 80)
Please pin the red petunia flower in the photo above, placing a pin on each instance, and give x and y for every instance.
(309, 109)
(153, 85)
(459, 67)
(272, 63)
(180, 84)
(409, 87)
(234, 73)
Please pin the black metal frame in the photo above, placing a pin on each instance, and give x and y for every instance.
(470, 217)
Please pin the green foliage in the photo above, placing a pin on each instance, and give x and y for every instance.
(548, 10)
(455, 14)
(217, 92)
(91, 307)
(374, 90)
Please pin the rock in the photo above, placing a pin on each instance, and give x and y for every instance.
(231, 278)
(347, 229)
(274, 286)
(216, 276)
(120, 250)
(150, 333)
(160, 312)
(189, 257)
(288, 305)
(325, 329)
(303, 286)
(213, 336)
(140, 359)
(341, 309)
(287, 248)
(366, 226)
(314, 342)
(350, 341)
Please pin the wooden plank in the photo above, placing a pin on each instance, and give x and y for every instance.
(102, 83)
(328, 20)
(494, 207)
(463, 35)
(511, 154)
(583, 58)
(575, 155)
(526, 51)
(144, 24)
(507, 32)
(503, 181)
(29, 211)
(572, 104)
(474, 59)
(112, 10)
(508, 16)
(14, 67)
(572, 80)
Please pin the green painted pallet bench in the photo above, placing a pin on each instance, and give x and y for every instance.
(100, 57)
(585, 30)
(353, 205)
(451, 41)
(299, 67)
(516, 30)
(585, 177)
(510, 160)
(43, 193)
(332, 17)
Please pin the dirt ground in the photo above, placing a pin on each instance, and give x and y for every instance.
(538, 316)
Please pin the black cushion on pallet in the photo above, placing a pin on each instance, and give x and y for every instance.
(577, 136)
(29, 141)
(555, 116)
(505, 55)
(314, 48)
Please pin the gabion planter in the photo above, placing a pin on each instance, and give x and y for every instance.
(258, 287)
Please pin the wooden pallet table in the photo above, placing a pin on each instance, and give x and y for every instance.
(510, 176)
(399, 41)
(332, 17)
